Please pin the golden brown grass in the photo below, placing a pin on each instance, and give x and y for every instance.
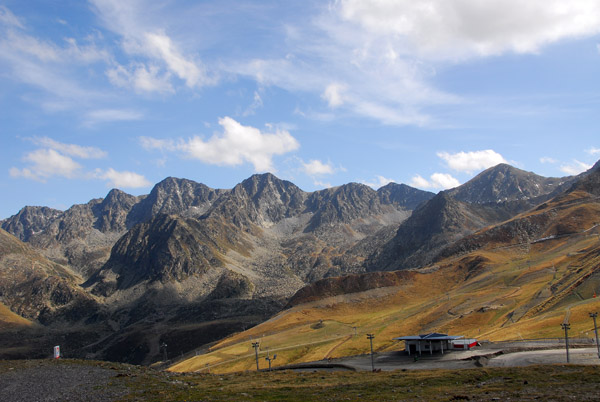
(491, 305)
(495, 293)
(10, 320)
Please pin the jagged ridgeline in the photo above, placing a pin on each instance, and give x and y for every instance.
(187, 264)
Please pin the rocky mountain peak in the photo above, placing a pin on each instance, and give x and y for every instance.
(111, 213)
(505, 183)
(342, 204)
(261, 199)
(403, 195)
(588, 181)
(171, 196)
(29, 221)
(264, 186)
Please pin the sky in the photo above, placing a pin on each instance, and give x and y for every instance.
(104, 94)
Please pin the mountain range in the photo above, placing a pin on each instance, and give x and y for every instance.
(187, 265)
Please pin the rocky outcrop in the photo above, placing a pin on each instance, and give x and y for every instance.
(169, 247)
(349, 284)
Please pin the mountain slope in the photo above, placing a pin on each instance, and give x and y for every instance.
(437, 223)
(38, 289)
(517, 279)
(493, 196)
(187, 261)
(167, 248)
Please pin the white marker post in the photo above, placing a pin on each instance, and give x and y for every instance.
(57, 352)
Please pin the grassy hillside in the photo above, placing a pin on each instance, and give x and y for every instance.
(508, 287)
(10, 320)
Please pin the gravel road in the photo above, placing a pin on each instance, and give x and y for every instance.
(576, 356)
(495, 355)
(48, 380)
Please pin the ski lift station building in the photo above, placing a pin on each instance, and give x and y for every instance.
(434, 342)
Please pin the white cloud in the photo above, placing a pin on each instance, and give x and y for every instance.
(317, 168)
(237, 144)
(547, 159)
(380, 181)
(162, 47)
(8, 18)
(46, 51)
(575, 167)
(419, 182)
(149, 143)
(123, 179)
(46, 163)
(164, 56)
(141, 78)
(322, 184)
(109, 115)
(333, 94)
(593, 151)
(53, 68)
(85, 54)
(444, 180)
(455, 29)
(257, 103)
(441, 181)
(351, 72)
(472, 161)
(56, 160)
(386, 52)
(70, 149)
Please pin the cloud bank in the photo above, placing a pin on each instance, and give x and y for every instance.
(235, 145)
(440, 181)
(470, 162)
(57, 160)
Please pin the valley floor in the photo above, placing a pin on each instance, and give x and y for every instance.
(74, 380)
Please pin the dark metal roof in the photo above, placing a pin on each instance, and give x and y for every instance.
(434, 336)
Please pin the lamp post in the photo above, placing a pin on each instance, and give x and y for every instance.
(256, 345)
(370, 338)
(164, 348)
(594, 315)
(566, 327)
(270, 359)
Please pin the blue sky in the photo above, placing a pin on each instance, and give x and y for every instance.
(113, 93)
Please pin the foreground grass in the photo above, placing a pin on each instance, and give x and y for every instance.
(548, 383)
